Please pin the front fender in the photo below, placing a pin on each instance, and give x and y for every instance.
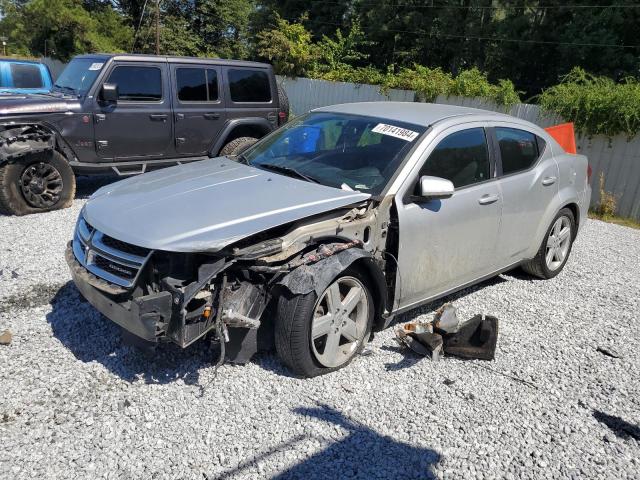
(316, 278)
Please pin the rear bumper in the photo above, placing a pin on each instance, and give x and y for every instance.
(146, 317)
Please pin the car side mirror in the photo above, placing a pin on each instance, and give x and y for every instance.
(435, 187)
(109, 93)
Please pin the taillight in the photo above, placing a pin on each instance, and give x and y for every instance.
(282, 118)
(589, 172)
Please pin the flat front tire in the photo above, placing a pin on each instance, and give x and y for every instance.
(320, 334)
(556, 247)
(40, 182)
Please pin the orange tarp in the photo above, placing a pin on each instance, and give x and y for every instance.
(564, 135)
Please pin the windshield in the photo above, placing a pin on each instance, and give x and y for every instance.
(78, 76)
(338, 150)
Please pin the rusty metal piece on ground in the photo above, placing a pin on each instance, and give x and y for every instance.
(418, 338)
(5, 338)
(476, 339)
(446, 319)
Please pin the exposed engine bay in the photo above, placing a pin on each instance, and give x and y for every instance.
(182, 297)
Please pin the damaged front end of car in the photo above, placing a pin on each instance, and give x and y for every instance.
(162, 296)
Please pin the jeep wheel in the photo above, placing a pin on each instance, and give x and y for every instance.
(315, 335)
(38, 183)
(237, 146)
(284, 105)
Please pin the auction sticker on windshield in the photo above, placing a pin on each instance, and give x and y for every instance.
(397, 132)
(96, 66)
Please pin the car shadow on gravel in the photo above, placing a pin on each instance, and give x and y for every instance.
(93, 338)
(363, 453)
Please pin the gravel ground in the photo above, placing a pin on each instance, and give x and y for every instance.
(75, 403)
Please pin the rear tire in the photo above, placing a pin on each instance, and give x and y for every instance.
(556, 247)
(237, 146)
(284, 104)
(40, 182)
(299, 317)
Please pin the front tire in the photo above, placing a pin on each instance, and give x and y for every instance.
(556, 247)
(40, 182)
(317, 335)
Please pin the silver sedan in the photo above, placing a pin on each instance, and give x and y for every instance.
(326, 229)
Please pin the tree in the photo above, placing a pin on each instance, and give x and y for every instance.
(66, 26)
(289, 47)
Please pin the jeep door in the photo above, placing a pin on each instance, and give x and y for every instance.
(251, 94)
(199, 111)
(447, 243)
(139, 125)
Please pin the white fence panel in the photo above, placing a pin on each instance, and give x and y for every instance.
(306, 94)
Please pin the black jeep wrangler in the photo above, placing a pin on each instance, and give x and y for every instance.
(129, 113)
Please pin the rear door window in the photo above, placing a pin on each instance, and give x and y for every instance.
(26, 76)
(249, 86)
(519, 149)
(197, 85)
(462, 158)
(137, 84)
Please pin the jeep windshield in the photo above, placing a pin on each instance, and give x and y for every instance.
(339, 150)
(78, 76)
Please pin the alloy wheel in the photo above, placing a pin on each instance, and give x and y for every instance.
(41, 185)
(339, 322)
(558, 243)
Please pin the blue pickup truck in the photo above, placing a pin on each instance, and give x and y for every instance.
(24, 76)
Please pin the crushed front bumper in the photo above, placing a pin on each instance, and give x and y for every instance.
(147, 317)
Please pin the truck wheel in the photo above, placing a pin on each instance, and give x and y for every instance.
(40, 182)
(284, 105)
(556, 247)
(237, 146)
(314, 335)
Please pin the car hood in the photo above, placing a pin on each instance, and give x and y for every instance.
(19, 104)
(206, 205)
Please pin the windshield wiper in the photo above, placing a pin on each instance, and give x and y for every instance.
(286, 170)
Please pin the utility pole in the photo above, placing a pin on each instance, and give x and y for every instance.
(157, 27)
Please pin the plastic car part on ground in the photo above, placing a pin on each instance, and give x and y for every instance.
(474, 339)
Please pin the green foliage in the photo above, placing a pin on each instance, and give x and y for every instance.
(429, 83)
(597, 105)
(66, 26)
(344, 51)
(289, 47)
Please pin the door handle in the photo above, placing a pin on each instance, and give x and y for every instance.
(179, 116)
(102, 144)
(546, 181)
(100, 117)
(488, 199)
(212, 116)
(158, 117)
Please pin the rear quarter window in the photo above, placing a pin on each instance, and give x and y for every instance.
(249, 86)
(26, 76)
(519, 149)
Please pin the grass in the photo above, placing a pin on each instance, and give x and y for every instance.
(626, 222)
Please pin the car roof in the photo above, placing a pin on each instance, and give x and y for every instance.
(424, 114)
(172, 59)
(19, 60)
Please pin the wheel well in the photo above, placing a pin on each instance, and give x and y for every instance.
(576, 214)
(378, 288)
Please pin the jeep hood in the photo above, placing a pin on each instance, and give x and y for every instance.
(206, 205)
(24, 104)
